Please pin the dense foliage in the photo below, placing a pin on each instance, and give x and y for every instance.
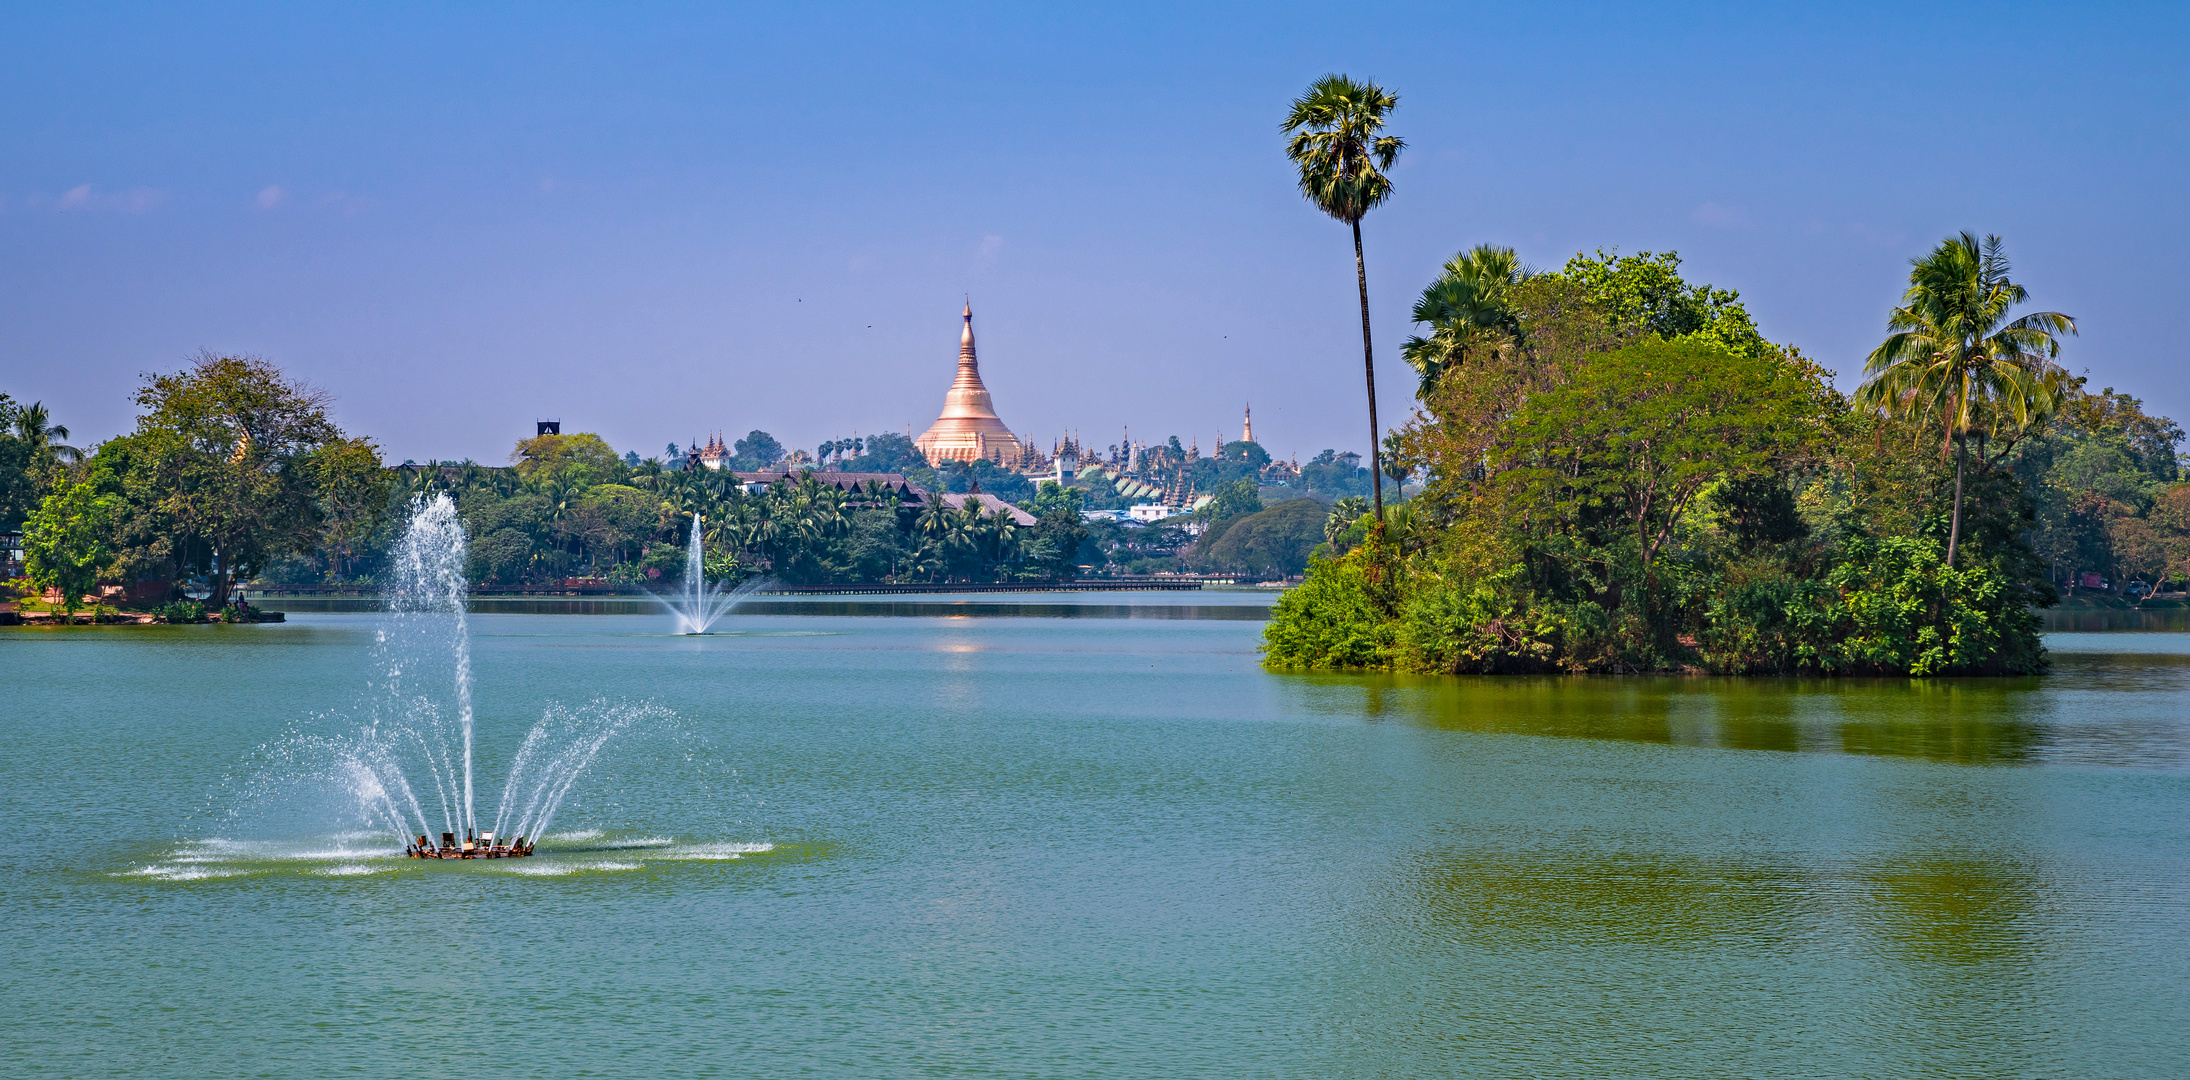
(1622, 474)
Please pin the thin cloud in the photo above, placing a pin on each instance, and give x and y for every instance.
(271, 196)
(134, 201)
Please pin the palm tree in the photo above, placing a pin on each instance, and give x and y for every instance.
(1003, 532)
(933, 517)
(1342, 161)
(962, 530)
(35, 428)
(1955, 359)
(1344, 513)
(1466, 312)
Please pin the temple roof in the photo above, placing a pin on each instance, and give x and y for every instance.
(989, 504)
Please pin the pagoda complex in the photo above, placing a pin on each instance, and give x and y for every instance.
(969, 428)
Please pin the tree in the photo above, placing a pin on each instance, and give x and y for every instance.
(1342, 158)
(1644, 293)
(1344, 513)
(759, 449)
(1055, 496)
(1396, 464)
(1641, 432)
(1277, 540)
(19, 481)
(353, 497)
(1467, 312)
(1231, 503)
(888, 452)
(1955, 359)
(66, 541)
(1250, 454)
(35, 427)
(1054, 547)
(2170, 518)
(224, 457)
(582, 457)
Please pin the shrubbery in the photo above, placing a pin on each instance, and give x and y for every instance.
(1888, 607)
(181, 611)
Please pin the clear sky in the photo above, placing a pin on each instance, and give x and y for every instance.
(651, 221)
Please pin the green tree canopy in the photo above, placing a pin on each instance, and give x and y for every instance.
(19, 483)
(1276, 540)
(1250, 454)
(226, 458)
(758, 450)
(66, 542)
(1641, 432)
(581, 457)
(1644, 292)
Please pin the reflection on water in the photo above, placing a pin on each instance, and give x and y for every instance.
(1510, 900)
(1963, 910)
(2094, 708)
(1679, 960)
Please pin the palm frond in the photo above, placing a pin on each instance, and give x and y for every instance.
(1336, 143)
(1955, 358)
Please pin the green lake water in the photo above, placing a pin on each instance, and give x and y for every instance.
(1089, 836)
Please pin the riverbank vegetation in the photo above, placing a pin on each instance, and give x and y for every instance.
(1622, 474)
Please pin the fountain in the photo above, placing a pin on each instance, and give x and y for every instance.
(695, 605)
(422, 722)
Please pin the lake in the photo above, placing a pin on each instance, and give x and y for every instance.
(1088, 836)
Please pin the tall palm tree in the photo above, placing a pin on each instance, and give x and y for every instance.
(1342, 158)
(1954, 358)
(1467, 313)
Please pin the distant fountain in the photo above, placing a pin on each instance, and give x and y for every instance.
(422, 724)
(695, 605)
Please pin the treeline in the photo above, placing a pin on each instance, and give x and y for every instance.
(235, 473)
(570, 508)
(1622, 474)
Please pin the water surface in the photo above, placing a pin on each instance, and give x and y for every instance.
(1096, 846)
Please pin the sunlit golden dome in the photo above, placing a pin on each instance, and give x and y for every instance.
(969, 428)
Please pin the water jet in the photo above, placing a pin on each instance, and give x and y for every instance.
(695, 605)
(421, 723)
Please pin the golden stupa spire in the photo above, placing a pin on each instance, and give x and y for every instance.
(968, 427)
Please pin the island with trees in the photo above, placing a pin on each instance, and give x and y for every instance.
(1623, 475)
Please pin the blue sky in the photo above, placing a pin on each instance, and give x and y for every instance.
(651, 221)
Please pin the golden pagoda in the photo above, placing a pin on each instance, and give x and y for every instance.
(969, 428)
